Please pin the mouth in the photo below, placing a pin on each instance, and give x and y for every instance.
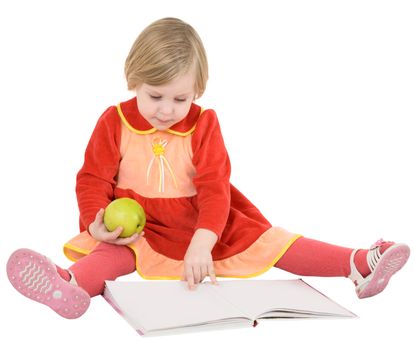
(163, 122)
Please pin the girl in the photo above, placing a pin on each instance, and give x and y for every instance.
(166, 152)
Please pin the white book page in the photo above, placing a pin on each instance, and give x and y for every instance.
(256, 297)
(169, 304)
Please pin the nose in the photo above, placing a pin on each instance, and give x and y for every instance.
(166, 109)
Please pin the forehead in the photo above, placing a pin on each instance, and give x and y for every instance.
(183, 84)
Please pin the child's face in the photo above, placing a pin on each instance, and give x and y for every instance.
(165, 105)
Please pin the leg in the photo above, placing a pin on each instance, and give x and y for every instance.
(36, 277)
(105, 262)
(308, 257)
(369, 269)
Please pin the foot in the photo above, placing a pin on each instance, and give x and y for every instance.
(383, 265)
(37, 278)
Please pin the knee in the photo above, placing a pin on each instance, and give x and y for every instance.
(107, 261)
(113, 250)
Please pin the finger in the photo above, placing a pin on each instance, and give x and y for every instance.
(197, 274)
(134, 237)
(212, 273)
(127, 240)
(111, 237)
(99, 215)
(189, 276)
(204, 272)
(190, 281)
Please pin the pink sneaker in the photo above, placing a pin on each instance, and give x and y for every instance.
(36, 277)
(383, 267)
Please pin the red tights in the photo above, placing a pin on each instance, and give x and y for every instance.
(106, 262)
(307, 257)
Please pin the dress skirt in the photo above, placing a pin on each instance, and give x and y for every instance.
(253, 261)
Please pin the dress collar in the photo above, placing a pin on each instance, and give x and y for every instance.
(134, 121)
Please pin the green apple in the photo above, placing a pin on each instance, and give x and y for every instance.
(125, 212)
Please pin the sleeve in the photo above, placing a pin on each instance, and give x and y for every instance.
(96, 180)
(212, 179)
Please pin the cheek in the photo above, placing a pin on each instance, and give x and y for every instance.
(147, 110)
(182, 110)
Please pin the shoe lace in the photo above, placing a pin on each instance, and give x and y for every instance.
(378, 243)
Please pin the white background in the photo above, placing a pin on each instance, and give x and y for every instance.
(315, 100)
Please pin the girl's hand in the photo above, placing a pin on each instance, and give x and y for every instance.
(198, 262)
(98, 230)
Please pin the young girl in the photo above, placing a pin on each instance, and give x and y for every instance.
(166, 152)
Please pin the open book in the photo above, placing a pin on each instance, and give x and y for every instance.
(168, 307)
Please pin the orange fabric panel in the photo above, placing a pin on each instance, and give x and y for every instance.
(143, 170)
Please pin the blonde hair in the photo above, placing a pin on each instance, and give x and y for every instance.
(165, 50)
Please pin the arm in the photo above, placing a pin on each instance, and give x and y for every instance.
(212, 179)
(198, 262)
(213, 198)
(96, 179)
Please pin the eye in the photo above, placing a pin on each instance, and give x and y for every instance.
(155, 97)
(181, 99)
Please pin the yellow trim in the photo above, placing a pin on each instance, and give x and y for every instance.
(255, 274)
(182, 133)
(75, 249)
(151, 131)
(130, 127)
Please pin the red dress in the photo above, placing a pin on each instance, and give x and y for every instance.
(181, 177)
